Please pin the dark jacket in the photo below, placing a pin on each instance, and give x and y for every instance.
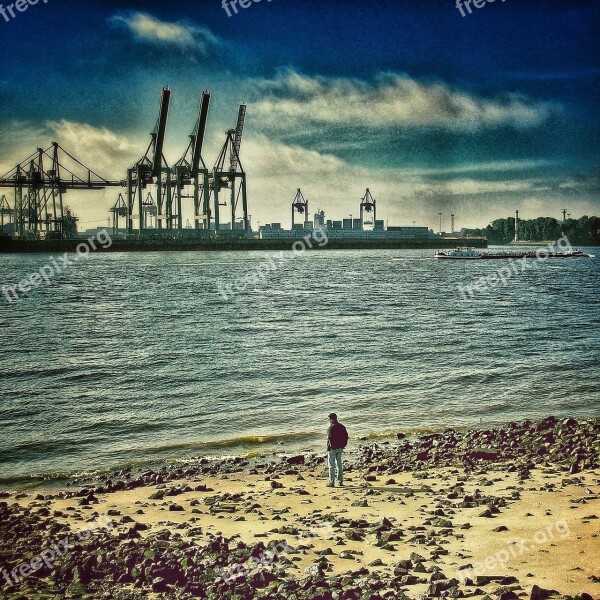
(337, 436)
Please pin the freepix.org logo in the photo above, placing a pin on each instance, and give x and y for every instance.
(56, 266)
(230, 6)
(20, 6)
(466, 4)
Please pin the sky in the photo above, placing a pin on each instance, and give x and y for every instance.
(474, 115)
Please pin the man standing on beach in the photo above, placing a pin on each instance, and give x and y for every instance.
(337, 440)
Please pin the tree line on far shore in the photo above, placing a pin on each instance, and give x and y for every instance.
(582, 232)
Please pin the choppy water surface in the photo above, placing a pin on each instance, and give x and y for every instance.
(134, 358)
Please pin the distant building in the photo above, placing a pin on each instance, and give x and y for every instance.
(345, 229)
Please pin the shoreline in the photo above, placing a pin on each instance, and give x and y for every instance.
(419, 517)
(181, 244)
(262, 447)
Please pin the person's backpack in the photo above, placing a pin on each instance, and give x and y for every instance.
(343, 435)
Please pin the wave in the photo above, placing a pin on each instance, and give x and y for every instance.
(375, 435)
(245, 440)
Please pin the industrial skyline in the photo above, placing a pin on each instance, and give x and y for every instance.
(433, 112)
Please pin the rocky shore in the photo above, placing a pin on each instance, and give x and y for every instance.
(494, 514)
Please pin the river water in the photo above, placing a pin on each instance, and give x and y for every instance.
(130, 359)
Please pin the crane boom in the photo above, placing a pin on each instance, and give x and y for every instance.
(159, 134)
(200, 129)
(237, 142)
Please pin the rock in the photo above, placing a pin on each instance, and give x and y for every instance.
(159, 585)
(394, 535)
(500, 528)
(441, 523)
(296, 460)
(176, 507)
(538, 593)
(482, 454)
(437, 587)
(360, 503)
(354, 535)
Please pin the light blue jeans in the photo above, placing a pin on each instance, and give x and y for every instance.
(335, 459)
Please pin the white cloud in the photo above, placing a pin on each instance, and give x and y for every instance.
(108, 153)
(101, 149)
(292, 100)
(148, 28)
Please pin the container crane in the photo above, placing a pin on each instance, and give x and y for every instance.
(191, 169)
(39, 183)
(222, 178)
(120, 209)
(368, 204)
(299, 205)
(5, 210)
(150, 169)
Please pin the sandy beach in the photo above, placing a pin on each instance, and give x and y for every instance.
(504, 513)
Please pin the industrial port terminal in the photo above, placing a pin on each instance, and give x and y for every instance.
(149, 211)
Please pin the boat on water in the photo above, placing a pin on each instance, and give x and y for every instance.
(471, 254)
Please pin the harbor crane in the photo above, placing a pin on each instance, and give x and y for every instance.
(150, 170)
(299, 205)
(150, 210)
(39, 183)
(5, 210)
(120, 209)
(191, 169)
(228, 178)
(368, 204)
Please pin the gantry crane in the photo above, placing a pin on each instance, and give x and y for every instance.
(367, 204)
(120, 209)
(150, 169)
(40, 182)
(5, 211)
(299, 205)
(149, 209)
(222, 178)
(191, 169)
